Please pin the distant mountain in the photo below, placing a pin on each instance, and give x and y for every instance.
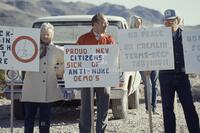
(24, 12)
(150, 15)
(12, 16)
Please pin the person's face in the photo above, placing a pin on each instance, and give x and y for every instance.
(138, 23)
(101, 25)
(46, 37)
(173, 23)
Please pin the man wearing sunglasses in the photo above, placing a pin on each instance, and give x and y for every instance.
(177, 80)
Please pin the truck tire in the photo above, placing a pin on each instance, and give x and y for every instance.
(18, 110)
(120, 107)
(133, 100)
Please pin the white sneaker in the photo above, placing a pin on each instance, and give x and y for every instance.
(156, 113)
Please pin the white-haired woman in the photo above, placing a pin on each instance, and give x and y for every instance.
(137, 22)
(40, 88)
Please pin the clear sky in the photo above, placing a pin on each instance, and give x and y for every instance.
(189, 10)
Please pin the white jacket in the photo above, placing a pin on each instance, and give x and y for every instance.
(42, 86)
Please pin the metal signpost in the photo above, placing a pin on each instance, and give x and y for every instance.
(12, 105)
(12, 75)
(20, 48)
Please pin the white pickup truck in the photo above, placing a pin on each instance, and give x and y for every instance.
(67, 31)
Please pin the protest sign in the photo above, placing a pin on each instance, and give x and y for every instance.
(191, 48)
(146, 49)
(19, 48)
(91, 66)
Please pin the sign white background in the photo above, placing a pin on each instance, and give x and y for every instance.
(146, 49)
(191, 47)
(109, 61)
(24, 48)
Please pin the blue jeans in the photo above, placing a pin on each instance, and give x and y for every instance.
(179, 82)
(44, 118)
(102, 98)
(153, 90)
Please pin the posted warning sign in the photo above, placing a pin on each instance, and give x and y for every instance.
(19, 48)
(91, 66)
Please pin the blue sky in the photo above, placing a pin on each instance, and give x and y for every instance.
(188, 10)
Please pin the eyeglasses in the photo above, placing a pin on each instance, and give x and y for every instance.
(170, 20)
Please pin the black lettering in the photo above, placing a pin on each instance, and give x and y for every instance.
(7, 40)
(8, 47)
(7, 33)
(4, 53)
(1, 47)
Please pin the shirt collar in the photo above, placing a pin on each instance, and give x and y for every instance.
(97, 35)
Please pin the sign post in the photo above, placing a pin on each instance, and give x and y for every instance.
(89, 66)
(149, 101)
(19, 47)
(12, 104)
(92, 108)
(145, 50)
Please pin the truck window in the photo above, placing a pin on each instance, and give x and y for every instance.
(64, 34)
(69, 32)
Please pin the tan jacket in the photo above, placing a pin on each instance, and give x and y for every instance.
(42, 86)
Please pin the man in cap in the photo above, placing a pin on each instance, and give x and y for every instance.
(177, 80)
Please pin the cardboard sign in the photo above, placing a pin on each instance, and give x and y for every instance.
(91, 66)
(146, 49)
(19, 48)
(191, 48)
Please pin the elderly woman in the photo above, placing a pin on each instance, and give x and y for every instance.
(137, 22)
(40, 88)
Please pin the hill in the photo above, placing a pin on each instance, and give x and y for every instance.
(23, 12)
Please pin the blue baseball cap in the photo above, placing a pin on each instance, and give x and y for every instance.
(170, 14)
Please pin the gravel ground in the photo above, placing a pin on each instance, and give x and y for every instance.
(66, 121)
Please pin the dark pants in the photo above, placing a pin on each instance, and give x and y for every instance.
(102, 97)
(44, 118)
(179, 82)
(153, 90)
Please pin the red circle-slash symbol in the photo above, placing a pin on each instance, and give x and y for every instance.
(32, 42)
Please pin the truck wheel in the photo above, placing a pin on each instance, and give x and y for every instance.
(133, 100)
(18, 110)
(120, 107)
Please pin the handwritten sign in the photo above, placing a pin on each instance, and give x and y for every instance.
(146, 49)
(191, 48)
(91, 66)
(19, 48)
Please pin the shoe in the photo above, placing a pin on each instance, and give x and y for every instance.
(156, 113)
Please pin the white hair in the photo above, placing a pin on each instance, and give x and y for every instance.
(132, 20)
(45, 27)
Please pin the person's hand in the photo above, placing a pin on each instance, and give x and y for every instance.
(121, 84)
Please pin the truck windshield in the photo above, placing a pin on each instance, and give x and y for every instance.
(70, 32)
